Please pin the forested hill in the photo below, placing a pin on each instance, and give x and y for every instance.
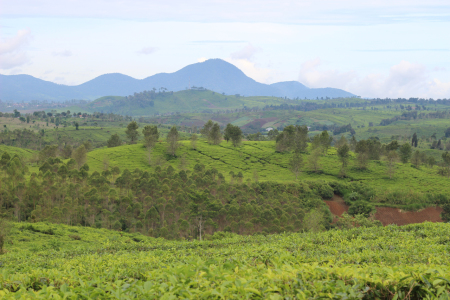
(213, 74)
(149, 103)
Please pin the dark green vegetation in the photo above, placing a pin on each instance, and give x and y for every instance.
(45, 260)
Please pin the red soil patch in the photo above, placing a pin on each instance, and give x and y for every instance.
(337, 205)
(389, 215)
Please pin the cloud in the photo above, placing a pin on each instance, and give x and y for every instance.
(11, 50)
(252, 70)
(403, 80)
(246, 53)
(312, 76)
(147, 50)
(202, 59)
(281, 11)
(63, 53)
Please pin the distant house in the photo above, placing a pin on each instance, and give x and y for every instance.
(269, 128)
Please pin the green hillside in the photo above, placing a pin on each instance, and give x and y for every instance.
(48, 261)
(178, 102)
(261, 158)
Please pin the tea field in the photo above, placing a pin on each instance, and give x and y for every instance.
(45, 260)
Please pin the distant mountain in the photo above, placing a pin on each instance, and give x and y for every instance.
(214, 74)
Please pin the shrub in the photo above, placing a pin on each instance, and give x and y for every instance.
(325, 191)
(75, 237)
(361, 208)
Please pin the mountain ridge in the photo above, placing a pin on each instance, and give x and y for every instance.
(213, 74)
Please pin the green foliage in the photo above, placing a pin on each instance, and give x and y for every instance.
(363, 262)
(361, 208)
(132, 132)
(233, 133)
(114, 141)
(405, 152)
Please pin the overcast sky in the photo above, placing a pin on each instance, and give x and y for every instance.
(371, 48)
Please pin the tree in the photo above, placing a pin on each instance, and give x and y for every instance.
(80, 155)
(76, 125)
(272, 135)
(215, 136)
(114, 141)
(446, 163)
(194, 139)
(292, 138)
(47, 152)
(132, 132)
(447, 132)
(151, 135)
(416, 158)
(67, 151)
(296, 164)
(391, 158)
(344, 155)
(172, 140)
(431, 161)
(206, 130)
(314, 159)
(234, 133)
(325, 141)
(4, 232)
(405, 152)
(414, 140)
(362, 154)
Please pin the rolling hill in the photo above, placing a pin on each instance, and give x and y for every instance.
(214, 74)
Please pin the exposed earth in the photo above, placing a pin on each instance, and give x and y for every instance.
(390, 215)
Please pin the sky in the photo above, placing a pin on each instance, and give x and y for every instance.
(374, 49)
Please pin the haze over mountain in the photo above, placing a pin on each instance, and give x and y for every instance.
(214, 74)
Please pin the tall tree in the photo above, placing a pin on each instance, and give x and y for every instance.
(206, 130)
(446, 162)
(314, 159)
(362, 154)
(296, 164)
(194, 139)
(132, 132)
(215, 136)
(172, 140)
(416, 158)
(234, 133)
(325, 141)
(405, 152)
(414, 140)
(344, 155)
(80, 155)
(151, 135)
(391, 158)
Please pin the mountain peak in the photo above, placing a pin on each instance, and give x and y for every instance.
(214, 74)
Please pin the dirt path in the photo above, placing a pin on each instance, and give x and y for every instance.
(389, 215)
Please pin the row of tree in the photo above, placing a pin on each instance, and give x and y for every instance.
(165, 203)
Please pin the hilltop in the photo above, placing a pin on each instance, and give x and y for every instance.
(214, 74)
